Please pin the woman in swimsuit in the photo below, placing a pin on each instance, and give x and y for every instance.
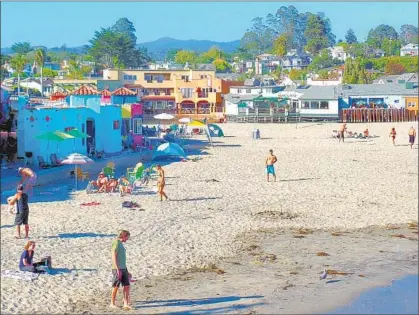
(161, 183)
(393, 135)
(29, 178)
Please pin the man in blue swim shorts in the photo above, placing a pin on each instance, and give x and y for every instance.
(270, 161)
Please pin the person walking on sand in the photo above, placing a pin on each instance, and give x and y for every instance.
(269, 163)
(161, 182)
(119, 270)
(393, 135)
(28, 178)
(22, 210)
(342, 131)
(412, 136)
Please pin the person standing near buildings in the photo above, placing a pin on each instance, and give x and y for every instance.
(393, 134)
(22, 210)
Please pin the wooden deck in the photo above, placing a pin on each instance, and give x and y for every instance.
(362, 115)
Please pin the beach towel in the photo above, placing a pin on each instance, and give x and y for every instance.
(130, 204)
(93, 203)
(20, 275)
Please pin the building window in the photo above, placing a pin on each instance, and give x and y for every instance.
(306, 104)
(411, 104)
(324, 105)
(135, 77)
(314, 105)
(137, 124)
(185, 78)
(239, 91)
(67, 129)
(248, 91)
(116, 124)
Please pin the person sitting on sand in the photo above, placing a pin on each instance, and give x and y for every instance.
(112, 185)
(393, 135)
(366, 133)
(119, 270)
(123, 185)
(28, 178)
(412, 136)
(269, 164)
(161, 182)
(101, 182)
(22, 210)
(342, 131)
(25, 263)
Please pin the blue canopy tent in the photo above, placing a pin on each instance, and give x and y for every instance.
(168, 150)
(215, 131)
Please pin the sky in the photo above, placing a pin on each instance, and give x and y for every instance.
(53, 24)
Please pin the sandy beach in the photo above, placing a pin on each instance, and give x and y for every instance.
(228, 241)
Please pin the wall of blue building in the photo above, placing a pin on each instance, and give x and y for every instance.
(108, 135)
(120, 100)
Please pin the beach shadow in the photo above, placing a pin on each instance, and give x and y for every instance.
(6, 226)
(80, 235)
(265, 138)
(229, 136)
(298, 179)
(228, 145)
(60, 271)
(193, 302)
(333, 281)
(196, 199)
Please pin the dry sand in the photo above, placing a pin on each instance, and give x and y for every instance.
(224, 217)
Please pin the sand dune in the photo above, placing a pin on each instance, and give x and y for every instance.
(322, 184)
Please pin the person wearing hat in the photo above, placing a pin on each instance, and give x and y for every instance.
(22, 210)
(28, 178)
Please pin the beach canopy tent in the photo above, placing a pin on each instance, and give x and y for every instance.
(185, 120)
(201, 124)
(215, 130)
(77, 134)
(54, 136)
(164, 116)
(168, 150)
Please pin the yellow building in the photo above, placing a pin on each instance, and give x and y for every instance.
(180, 92)
(412, 102)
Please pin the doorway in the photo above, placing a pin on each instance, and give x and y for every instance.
(91, 131)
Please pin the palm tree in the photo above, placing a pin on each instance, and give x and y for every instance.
(40, 61)
(18, 63)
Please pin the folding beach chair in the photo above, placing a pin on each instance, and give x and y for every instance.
(54, 160)
(108, 172)
(41, 163)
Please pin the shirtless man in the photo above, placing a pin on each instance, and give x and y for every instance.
(161, 183)
(342, 131)
(412, 136)
(29, 178)
(269, 163)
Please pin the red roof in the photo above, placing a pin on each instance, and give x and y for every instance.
(59, 94)
(106, 93)
(123, 91)
(85, 90)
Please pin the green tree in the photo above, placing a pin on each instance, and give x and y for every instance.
(21, 48)
(350, 37)
(77, 70)
(391, 47)
(323, 60)
(108, 44)
(280, 45)
(315, 34)
(297, 74)
(48, 73)
(18, 63)
(125, 27)
(409, 34)
(185, 56)
(377, 35)
(221, 65)
(40, 56)
(170, 55)
(212, 54)
(258, 38)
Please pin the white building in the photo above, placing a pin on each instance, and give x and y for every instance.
(339, 53)
(409, 50)
(35, 84)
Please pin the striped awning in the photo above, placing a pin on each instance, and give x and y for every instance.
(105, 93)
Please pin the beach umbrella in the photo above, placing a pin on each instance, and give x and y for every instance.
(76, 159)
(185, 120)
(201, 124)
(54, 136)
(77, 134)
(164, 116)
(169, 149)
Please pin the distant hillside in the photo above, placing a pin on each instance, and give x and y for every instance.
(157, 49)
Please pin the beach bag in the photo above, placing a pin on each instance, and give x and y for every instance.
(47, 261)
